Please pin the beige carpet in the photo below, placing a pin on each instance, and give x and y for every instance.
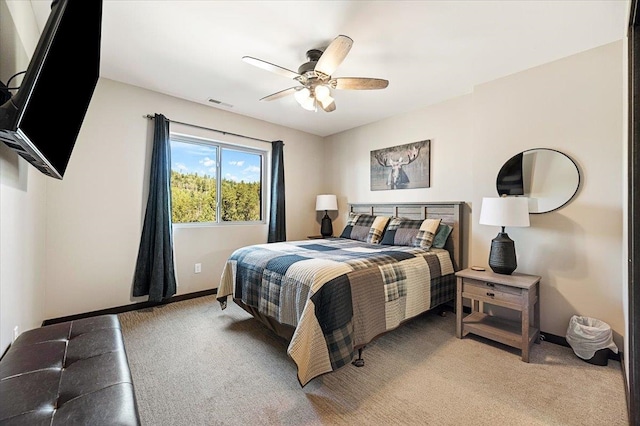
(194, 364)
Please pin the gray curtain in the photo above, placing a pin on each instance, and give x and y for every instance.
(277, 223)
(155, 273)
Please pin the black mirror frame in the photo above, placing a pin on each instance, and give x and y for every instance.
(543, 149)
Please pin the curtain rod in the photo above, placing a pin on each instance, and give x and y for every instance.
(151, 117)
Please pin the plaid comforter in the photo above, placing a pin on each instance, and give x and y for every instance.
(338, 293)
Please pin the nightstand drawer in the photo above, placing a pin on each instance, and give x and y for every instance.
(486, 285)
(487, 291)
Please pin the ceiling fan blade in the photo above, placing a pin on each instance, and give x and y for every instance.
(358, 83)
(330, 107)
(270, 67)
(334, 54)
(281, 94)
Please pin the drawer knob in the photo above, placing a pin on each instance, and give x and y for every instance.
(490, 294)
(490, 284)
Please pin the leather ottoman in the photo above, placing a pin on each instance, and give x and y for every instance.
(71, 373)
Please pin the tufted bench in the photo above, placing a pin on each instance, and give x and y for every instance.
(72, 373)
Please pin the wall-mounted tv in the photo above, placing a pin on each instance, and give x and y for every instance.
(42, 120)
(510, 180)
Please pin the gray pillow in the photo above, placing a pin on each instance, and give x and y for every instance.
(365, 227)
(410, 232)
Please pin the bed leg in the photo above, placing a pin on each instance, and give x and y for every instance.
(359, 362)
(442, 311)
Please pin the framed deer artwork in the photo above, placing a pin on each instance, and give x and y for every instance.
(401, 167)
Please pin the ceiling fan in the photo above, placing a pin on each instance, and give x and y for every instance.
(315, 78)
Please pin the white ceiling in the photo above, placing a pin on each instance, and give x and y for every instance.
(428, 50)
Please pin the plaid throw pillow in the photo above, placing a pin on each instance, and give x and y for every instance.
(365, 227)
(413, 233)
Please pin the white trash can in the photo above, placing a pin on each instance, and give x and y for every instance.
(591, 339)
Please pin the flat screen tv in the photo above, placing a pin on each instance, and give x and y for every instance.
(42, 120)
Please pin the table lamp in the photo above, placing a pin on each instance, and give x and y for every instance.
(326, 202)
(504, 211)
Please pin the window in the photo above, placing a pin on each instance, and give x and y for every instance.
(215, 182)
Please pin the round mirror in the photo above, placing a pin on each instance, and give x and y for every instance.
(549, 178)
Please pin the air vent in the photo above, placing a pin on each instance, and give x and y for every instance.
(217, 102)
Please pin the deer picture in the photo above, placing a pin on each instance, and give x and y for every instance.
(397, 177)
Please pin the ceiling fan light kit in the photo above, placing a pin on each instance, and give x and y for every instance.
(315, 76)
(304, 98)
(309, 100)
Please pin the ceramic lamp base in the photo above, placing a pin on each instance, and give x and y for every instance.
(502, 258)
(326, 229)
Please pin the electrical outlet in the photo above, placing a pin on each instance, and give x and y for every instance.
(198, 268)
(16, 333)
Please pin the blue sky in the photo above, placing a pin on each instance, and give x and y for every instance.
(201, 159)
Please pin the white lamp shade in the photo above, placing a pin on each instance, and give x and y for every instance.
(302, 95)
(326, 202)
(322, 92)
(505, 211)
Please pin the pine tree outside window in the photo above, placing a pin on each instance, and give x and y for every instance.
(215, 183)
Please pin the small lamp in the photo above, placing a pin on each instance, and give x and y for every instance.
(326, 202)
(504, 211)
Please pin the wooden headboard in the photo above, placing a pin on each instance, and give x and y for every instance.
(450, 213)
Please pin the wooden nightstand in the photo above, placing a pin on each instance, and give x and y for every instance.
(519, 292)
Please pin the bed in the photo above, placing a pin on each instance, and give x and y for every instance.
(331, 297)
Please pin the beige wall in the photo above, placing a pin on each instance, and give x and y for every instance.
(22, 246)
(573, 105)
(94, 215)
(22, 210)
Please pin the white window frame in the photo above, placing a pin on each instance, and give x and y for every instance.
(219, 145)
